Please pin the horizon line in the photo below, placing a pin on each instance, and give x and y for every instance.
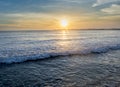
(64, 29)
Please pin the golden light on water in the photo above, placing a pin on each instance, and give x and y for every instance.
(64, 23)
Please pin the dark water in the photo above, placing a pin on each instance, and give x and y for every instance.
(101, 70)
(79, 59)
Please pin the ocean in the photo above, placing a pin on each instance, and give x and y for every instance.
(60, 58)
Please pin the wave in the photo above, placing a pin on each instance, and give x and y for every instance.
(98, 50)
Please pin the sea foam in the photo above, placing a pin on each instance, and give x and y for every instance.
(20, 46)
(96, 50)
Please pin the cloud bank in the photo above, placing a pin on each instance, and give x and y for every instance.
(100, 2)
(113, 9)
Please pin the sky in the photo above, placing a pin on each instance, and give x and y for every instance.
(46, 14)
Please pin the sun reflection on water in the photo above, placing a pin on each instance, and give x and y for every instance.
(64, 34)
(64, 42)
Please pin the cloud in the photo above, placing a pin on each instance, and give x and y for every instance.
(100, 2)
(113, 9)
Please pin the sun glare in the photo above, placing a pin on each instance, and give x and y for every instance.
(64, 23)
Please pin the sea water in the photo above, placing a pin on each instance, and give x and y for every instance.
(60, 58)
(20, 46)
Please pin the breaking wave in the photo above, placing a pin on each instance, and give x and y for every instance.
(37, 56)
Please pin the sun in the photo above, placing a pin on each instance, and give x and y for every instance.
(64, 23)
